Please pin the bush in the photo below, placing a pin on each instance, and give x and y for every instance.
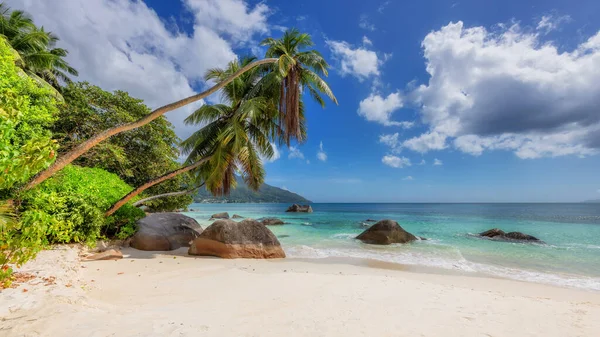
(71, 206)
(26, 113)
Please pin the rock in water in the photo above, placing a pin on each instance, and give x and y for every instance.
(500, 235)
(111, 254)
(492, 233)
(228, 239)
(386, 232)
(223, 215)
(271, 221)
(235, 216)
(300, 208)
(520, 236)
(165, 231)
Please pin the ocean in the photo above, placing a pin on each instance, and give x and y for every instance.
(570, 256)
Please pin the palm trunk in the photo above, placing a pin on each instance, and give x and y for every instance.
(70, 156)
(151, 183)
(164, 195)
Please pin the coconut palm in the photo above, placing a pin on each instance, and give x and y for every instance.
(35, 47)
(234, 137)
(297, 70)
(292, 70)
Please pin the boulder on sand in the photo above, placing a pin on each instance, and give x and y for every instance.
(223, 215)
(271, 221)
(165, 231)
(245, 239)
(386, 232)
(235, 216)
(300, 208)
(500, 235)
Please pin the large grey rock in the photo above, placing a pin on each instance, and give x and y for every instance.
(245, 239)
(223, 215)
(235, 216)
(300, 208)
(165, 231)
(386, 232)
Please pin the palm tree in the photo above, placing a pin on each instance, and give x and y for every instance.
(297, 70)
(234, 137)
(35, 48)
(292, 68)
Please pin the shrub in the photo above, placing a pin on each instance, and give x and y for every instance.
(71, 205)
(26, 113)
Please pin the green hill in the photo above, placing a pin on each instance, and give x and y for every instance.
(242, 194)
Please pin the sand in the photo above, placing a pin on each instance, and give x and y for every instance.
(148, 294)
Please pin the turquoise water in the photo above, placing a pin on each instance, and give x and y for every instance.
(570, 257)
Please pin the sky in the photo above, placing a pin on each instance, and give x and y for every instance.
(439, 101)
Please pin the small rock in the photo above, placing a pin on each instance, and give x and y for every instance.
(111, 254)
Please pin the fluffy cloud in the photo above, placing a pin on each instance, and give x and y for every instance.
(321, 155)
(296, 153)
(396, 162)
(366, 41)
(408, 178)
(231, 17)
(122, 44)
(437, 162)
(376, 108)
(508, 90)
(549, 23)
(359, 62)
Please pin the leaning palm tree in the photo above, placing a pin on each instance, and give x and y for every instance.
(295, 68)
(233, 139)
(35, 47)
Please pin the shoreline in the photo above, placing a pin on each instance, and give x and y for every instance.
(173, 294)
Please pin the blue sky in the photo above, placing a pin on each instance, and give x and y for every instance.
(439, 101)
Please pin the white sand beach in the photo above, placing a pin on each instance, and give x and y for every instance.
(171, 294)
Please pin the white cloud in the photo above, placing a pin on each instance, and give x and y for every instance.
(125, 45)
(392, 141)
(382, 7)
(437, 162)
(426, 142)
(364, 23)
(408, 178)
(232, 17)
(507, 90)
(295, 153)
(366, 41)
(549, 23)
(376, 108)
(359, 62)
(321, 155)
(284, 188)
(422, 162)
(396, 162)
(307, 161)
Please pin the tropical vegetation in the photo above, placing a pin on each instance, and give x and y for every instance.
(77, 161)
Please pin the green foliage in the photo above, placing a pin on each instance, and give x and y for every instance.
(137, 155)
(18, 243)
(35, 48)
(26, 112)
(71, 205)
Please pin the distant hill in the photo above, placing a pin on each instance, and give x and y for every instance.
(596, 201)
(242, 194)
